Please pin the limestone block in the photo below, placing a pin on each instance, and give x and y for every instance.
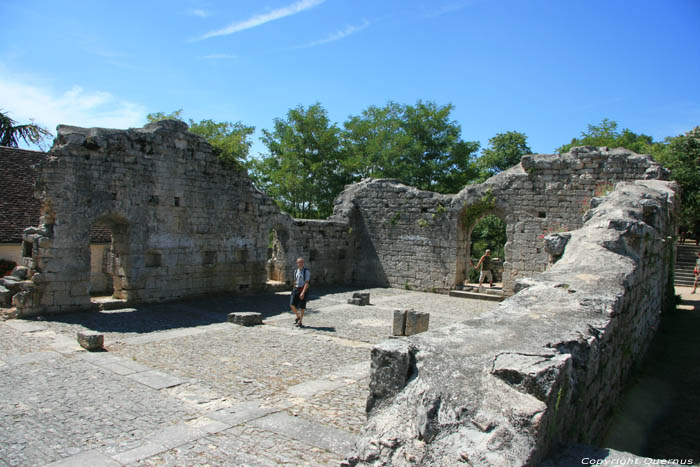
(245, 318)
(399, 324)
(91, 340)
(359, 298)
(416, 322)
(5, 297)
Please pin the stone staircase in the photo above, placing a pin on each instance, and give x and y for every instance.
(485, 293)
(686, 255)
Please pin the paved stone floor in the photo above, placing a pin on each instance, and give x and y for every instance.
(178, 385)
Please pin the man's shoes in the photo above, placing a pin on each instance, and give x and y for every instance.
(296, 320)
(299, 325)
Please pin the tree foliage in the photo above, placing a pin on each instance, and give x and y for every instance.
(504, 151)
(417, 144)
(607, 134)
(681, 155)
(230, 140)
(304, 167)
(31, 133)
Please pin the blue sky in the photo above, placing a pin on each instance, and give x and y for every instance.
(546, 68)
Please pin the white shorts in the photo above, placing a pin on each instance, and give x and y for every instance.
(485, 274)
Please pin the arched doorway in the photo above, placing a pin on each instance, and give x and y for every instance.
(489, 233)
(277, 264)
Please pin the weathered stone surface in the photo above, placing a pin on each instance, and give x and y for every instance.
(5, 297)
(416, 322)
(399, 323)
(359, 298)
(557, 353)
(20, 272)
(245, 318)
(91, 340)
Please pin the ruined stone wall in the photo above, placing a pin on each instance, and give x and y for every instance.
(416, 239)
(404, 237)
(183, 223)
(545, 368)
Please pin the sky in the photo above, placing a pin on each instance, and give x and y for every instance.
(546, 68)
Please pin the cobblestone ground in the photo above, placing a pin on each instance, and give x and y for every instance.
(178, 385)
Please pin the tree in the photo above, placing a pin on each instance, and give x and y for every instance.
(418, 145)
(607, 134)
(304, 169)
(681, 155)
(504, 151)
(230, 140)
(31, 133)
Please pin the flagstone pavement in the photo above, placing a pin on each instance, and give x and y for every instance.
(179, 385)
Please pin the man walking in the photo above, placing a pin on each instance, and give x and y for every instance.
(696, 272)
(485, 265)
(302, 276)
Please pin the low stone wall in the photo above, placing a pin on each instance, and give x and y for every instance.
(545, 368)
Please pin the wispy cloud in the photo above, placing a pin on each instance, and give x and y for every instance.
(199, 12)
(336, 36)
(219, 57)
(448, 8)
(75, 106)
(261, 19)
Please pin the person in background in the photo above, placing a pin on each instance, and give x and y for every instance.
(300, 293)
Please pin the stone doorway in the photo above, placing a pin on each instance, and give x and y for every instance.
(277, 262)
(109, 257)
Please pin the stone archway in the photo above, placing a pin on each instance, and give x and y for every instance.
(277, 252)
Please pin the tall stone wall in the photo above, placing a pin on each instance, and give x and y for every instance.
(546, 367)
(183, 223)
(418, 239)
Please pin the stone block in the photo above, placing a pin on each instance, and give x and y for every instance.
(399, 324)
(416, 322)
(245, 318)
(359, 298)
(91, 340)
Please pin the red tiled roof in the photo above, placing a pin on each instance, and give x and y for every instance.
(19, 208)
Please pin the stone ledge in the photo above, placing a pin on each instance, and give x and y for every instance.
(245, 318)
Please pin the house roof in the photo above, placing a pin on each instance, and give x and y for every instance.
(19, 208)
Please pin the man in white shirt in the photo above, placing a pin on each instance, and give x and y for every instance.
(302, 276)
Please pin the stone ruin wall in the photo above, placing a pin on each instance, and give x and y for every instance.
(183, 223)
(547, 367)
(420, 240)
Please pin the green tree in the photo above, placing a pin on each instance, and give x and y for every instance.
(304, 169)
(607, 134)
(31, 133)
(504, 151)
(230, 140)
(417, 144)
(681, 155)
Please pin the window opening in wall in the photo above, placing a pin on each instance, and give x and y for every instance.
(176, 201)
(27, 248)
(488, 234)
(542, 214)
(152, 259)
(209, 258)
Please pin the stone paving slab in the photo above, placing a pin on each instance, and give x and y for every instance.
(156, 380)
(324, 437)
(86, 459)
(178, 385)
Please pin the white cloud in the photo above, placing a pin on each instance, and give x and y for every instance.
(448, 8)
(75, 106)
(200, 13)
(263, 18)
(336, 36)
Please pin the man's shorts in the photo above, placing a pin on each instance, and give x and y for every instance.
(296, 301)
(486, 273)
